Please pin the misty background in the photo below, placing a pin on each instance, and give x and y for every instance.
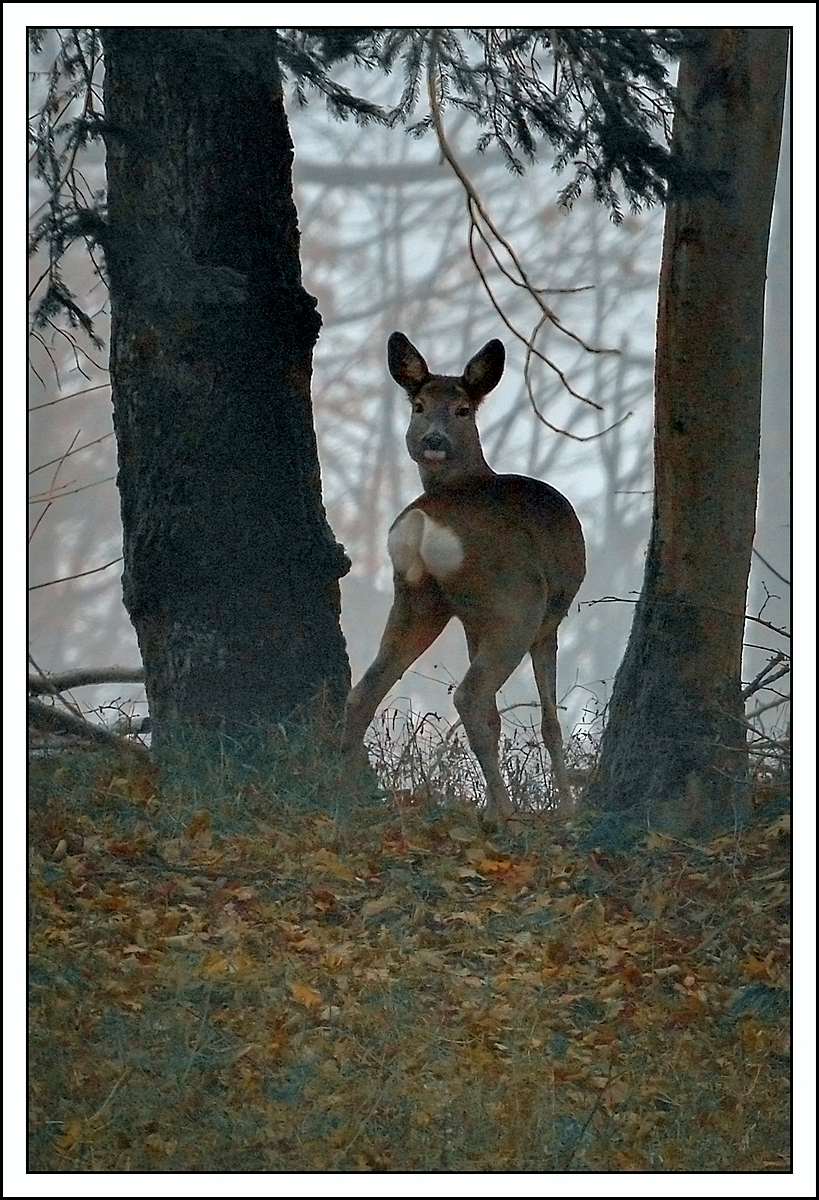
(385, 246)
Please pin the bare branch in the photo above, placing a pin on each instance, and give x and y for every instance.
(44, 685)
(527, 377)
(766, 707)
(528, 342)
(767, 624)
(79, 575)
(88, 677)
(477, 207)
(770, 568)
(69, 395)
(60, 462)
(763, 679)
(76, 450)
(45, 497)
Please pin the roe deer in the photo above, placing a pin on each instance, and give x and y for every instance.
(502, 553)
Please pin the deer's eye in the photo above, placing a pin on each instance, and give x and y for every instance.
(463, 410)
(418, 406)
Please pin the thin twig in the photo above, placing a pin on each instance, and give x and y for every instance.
(53, 481)
(610, 600)
(771, 704)
(77, 450)
(65, 722)
(528, 342)
(760, 680)
(759, 621)
(530, 349)
(200, 1031)
(44, 497)
(79, 575)
(770, 568)
(69, 395)
(588, 1121)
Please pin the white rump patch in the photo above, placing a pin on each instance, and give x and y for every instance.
(418, 545)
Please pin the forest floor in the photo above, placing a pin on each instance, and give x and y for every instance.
(238, 982)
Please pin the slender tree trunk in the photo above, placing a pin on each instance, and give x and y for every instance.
(231, 570)
(674, 752)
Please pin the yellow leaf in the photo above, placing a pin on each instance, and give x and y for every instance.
(494, 866)
(756, 968)
(306, 996)
(72, 1132)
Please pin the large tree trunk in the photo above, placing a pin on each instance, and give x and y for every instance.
(674, 753)
(231, 570)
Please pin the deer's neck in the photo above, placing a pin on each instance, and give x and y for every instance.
(438, 475)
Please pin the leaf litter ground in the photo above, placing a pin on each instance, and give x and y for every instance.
(400, 989)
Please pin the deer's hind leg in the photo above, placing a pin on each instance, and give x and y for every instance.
(544, 664)
(496, 646)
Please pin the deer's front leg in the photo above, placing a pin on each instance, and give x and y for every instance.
(419, 613)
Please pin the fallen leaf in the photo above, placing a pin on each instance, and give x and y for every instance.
(307, 996)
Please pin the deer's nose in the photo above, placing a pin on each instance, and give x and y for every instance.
(436, 442)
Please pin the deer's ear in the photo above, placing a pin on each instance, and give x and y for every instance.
(483, 372)
(407, 367)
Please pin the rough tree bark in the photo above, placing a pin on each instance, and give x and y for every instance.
(231, 570)
(673, 753)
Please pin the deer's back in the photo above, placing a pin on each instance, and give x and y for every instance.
(492, 528)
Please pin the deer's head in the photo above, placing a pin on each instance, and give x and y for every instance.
(442, 437)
